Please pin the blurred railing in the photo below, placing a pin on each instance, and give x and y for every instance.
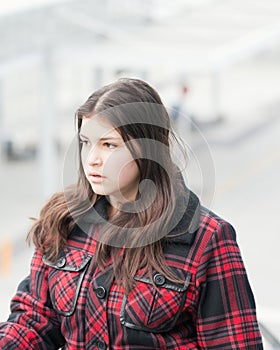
(269, 337)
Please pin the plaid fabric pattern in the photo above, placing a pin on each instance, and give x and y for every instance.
(72, 304)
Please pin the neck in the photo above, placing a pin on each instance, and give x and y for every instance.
(112, 211)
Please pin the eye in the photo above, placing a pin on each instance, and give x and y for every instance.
(84, 142)
(110, 145)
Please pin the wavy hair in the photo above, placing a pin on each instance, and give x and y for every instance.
(134, 237)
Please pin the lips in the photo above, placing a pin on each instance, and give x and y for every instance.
(96, 178)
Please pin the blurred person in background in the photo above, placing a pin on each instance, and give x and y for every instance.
(128, 258)
(178, 107)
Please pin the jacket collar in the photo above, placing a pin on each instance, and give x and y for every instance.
(188, 205)
(187, 209)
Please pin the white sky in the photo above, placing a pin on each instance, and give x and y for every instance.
(11, 6)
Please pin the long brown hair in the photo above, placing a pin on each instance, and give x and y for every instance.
(136, 111)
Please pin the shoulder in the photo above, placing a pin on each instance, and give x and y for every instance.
(213, 232)
(215, 225)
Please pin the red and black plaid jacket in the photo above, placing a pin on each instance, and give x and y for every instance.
(72, 305)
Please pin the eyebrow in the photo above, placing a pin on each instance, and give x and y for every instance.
(103, 138)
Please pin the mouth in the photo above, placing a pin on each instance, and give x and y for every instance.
(96, 178)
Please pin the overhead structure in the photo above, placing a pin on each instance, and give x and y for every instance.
(174, 37)
(183, 34)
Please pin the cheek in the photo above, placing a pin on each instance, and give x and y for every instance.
(84, 157)
(122, 166)
(129, 172)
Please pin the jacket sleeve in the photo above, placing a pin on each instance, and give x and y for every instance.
(226, 315)
(32, 324)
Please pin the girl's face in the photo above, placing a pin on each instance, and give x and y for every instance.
(108, 164)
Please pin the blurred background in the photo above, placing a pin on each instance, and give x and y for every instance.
(216, 65)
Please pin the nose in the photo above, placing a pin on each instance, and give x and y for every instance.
(94, 157)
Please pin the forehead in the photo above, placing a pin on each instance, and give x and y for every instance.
(96, 127)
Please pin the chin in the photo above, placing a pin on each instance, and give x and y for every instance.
(99, 191)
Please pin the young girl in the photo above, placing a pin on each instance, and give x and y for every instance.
(128, 258)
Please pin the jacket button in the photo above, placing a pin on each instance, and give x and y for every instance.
(101, 292)
(159, 279)
(101, 345)
(61, 262)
